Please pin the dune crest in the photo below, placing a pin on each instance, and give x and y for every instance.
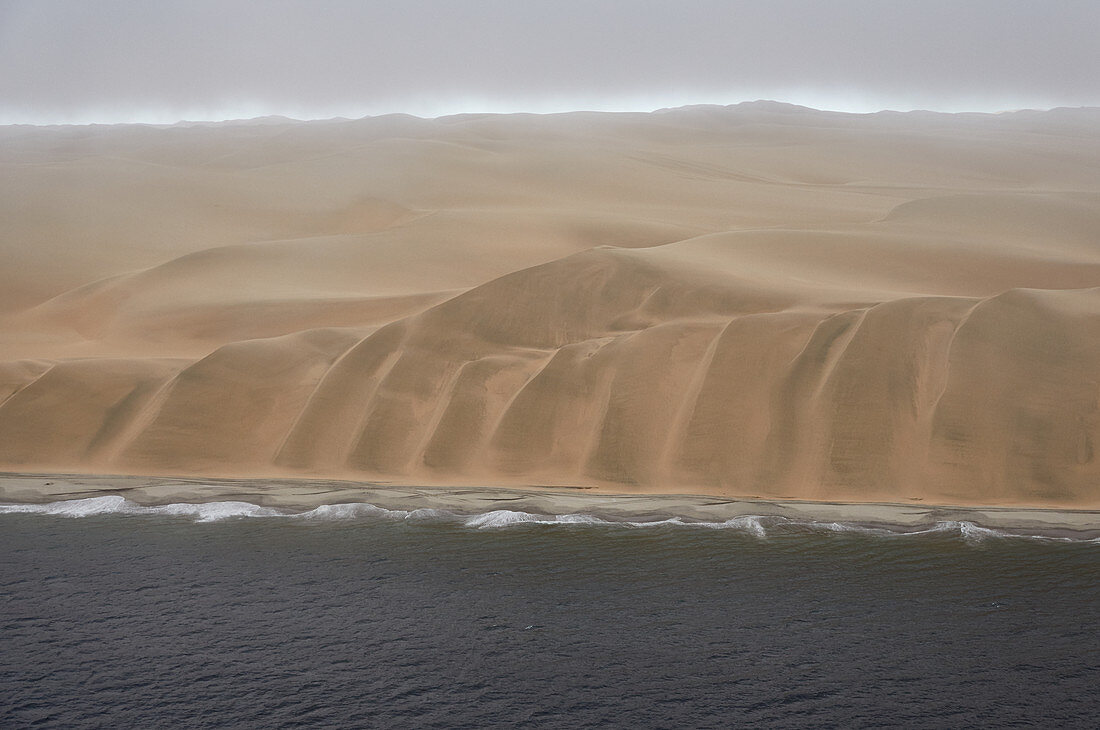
(752, 300)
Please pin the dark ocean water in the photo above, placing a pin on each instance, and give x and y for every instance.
(158, 620)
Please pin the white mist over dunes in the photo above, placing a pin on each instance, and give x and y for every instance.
(68, 61)
(760, 300)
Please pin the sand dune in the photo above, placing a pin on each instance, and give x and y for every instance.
(759, 300)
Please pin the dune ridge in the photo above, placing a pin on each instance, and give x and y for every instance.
(758, 300)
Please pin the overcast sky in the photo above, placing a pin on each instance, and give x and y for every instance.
(145, 60)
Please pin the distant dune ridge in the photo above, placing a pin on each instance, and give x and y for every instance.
(756, 300)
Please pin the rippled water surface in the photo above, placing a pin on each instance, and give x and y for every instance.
(219, 616)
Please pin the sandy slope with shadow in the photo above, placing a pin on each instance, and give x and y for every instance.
(753, 300)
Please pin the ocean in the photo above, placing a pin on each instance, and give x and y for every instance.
(231, 615)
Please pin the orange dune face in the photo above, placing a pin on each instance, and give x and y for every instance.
(737, 301)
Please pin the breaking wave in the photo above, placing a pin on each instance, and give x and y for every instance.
(759, 526)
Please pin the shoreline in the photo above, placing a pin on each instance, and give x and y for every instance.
(702, 301)
(305, 494)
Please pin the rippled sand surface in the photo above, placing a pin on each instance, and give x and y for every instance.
(760, 300)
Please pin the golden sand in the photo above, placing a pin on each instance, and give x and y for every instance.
(759, 300)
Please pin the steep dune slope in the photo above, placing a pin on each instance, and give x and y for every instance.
(757, 300)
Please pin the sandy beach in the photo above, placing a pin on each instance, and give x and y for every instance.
(302, 495)
(760, 300)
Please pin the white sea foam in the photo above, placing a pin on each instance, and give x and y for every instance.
(349, 511)
(114, 504)
(747, 523)
(968, 530)
(212, 511)
(755, 525)
(501, 518)
(72, 507)
(506, 518)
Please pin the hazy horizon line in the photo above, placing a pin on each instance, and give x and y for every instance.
(160, 120)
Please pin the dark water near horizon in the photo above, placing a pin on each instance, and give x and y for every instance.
(156, 620)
